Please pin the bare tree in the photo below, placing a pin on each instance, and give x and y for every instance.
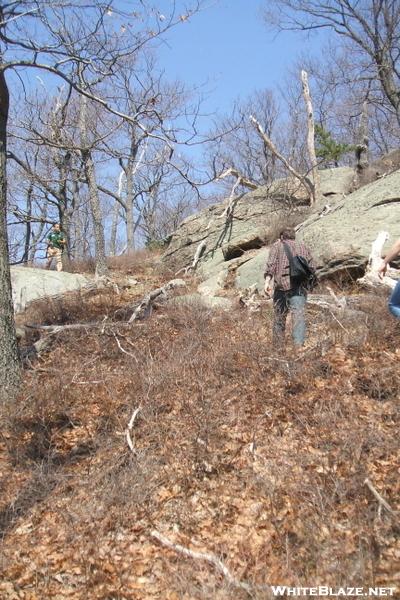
(235, 145)
(81, 43)
(43, 144)
(163, 120)
(342, 94)
(91, 180)
(372, 28)
(311, 137)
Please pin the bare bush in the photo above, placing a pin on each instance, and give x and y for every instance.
(255, 459)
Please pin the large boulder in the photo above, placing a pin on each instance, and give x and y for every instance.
(251, 223)
(340, 230)
(30, 284)
(342, 239)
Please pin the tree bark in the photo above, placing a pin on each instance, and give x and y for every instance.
(310, 139)
(98, 229)
(363, 140)
(130, 238)
(10, 377)
(114, 227)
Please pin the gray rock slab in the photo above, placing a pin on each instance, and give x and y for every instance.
(214, 284)
(30, 284)
(252, 272)
(253, 211)
(194, 300)
(340, 230)
(253, 218)
(343, 239)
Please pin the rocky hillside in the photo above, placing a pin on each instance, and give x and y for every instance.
(231, 239)
(178, 457)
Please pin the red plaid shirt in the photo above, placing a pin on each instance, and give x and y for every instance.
(278, 264)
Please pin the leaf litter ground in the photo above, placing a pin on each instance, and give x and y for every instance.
(256, 458)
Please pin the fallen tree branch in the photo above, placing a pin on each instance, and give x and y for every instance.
(145, 304)
(242, 180)
(210, 558)
(57, 328)
(331, 302)
(228, 210)
(129, 429)
(382, 501)
(340, 302)
(122, 349)
(370, 276)
(338, 322)
(198, 253)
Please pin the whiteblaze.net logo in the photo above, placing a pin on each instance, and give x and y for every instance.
(327, 591)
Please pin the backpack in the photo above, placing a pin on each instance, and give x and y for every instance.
(301, 274)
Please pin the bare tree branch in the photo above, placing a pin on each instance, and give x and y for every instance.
(273, 149)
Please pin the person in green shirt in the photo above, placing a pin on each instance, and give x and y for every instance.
(55, 245)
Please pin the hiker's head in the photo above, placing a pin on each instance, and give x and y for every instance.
(288, 233)
(56, 226)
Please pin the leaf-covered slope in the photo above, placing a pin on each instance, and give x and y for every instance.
(255, 459)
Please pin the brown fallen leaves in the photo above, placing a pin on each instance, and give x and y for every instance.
(257, 459)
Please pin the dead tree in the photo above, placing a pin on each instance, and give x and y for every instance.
(363, 141)
(310, 139)
(309, 187)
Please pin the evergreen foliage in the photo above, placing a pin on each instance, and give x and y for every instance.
(327, 149)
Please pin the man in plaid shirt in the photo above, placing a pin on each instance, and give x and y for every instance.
(287, 296)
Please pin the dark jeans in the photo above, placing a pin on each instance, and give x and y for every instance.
(294, 300)
(394, 302)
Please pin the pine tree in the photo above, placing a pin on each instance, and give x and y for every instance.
(327, 149)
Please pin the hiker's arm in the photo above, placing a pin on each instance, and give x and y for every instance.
(268, 286)
(393, 252)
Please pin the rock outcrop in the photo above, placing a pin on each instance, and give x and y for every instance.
(343, 238)
(340, 230)
(251, 223)
(30, 284)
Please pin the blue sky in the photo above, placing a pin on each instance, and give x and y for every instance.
(230, 44)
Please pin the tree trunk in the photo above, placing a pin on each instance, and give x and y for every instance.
(363, 140)
(65, 222)
(28, 227)
(310, 138)
(130, 239)
(130, 169)
(10, 377)
(98, 229)
(114, 227)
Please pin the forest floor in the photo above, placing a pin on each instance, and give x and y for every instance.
(180, 458)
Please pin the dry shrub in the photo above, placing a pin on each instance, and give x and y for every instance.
(77, 307)
(290, 218)
(82, 265)
(135, 262)
(257, 458)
